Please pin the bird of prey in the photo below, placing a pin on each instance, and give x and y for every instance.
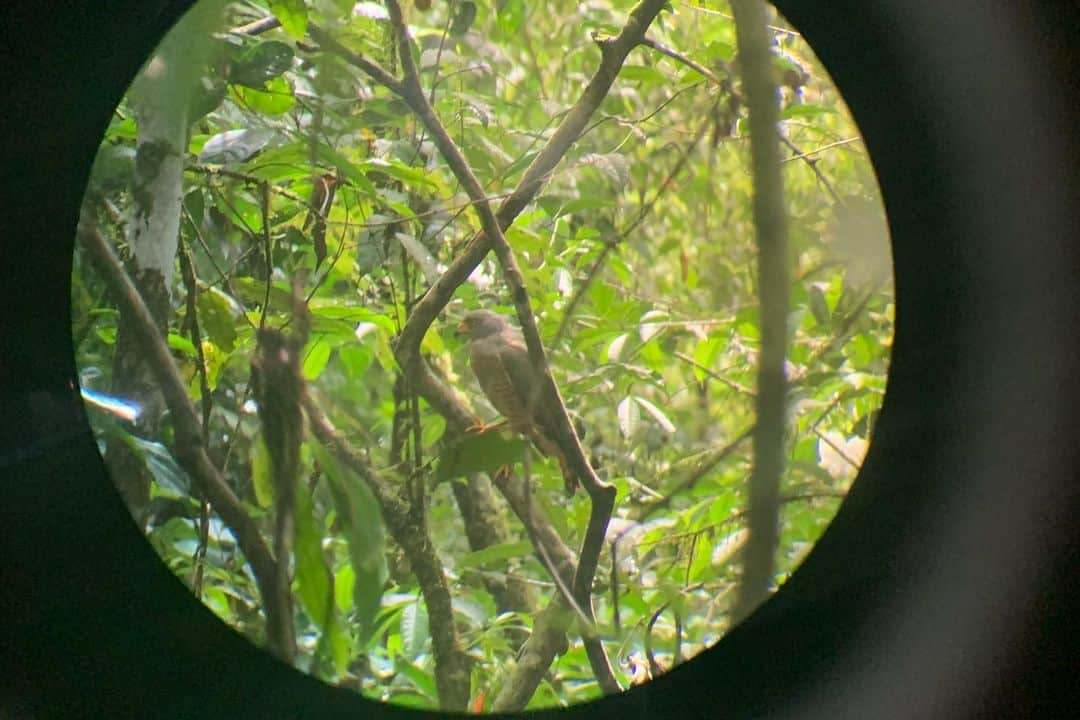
(500, 361)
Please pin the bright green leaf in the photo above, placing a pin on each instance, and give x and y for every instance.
(313, 579)
(315, 359)
(275, 99)
(260, 474)
(293, 16)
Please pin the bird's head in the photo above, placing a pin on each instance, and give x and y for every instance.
(478, 324)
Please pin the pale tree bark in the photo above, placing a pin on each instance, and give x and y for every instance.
(760, 89)
(160, 98)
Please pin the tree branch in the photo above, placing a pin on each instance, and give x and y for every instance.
(614, 52)
(407, 527)
(602, 494)
(771, 228)
(190, 450)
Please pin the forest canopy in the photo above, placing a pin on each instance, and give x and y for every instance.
(296, 211)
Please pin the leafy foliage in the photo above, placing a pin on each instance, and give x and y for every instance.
(639, 258)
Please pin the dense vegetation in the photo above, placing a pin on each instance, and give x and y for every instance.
(316, 201)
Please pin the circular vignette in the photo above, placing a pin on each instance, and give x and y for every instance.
(809, 189)
(974, 432)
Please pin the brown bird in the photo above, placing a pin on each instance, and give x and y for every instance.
(500, 361)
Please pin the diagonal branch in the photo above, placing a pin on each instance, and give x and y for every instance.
(190, 449)
(602, 494)
(614, 52)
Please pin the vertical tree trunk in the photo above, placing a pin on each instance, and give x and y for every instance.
(760, 89)
(160, 98)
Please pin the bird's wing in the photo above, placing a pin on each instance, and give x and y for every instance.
(519, 369)
(500, 379)
(507, 377)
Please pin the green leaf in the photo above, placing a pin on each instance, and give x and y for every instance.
(217, 318)
(260, 474)
(423, 681)
(494, 553)
(275, 99)
(313, 579)
(344, 586)
(318, 354)
(293, 16)
(285, 162)
(261, 63)
(705, 354)
(359, 515)
(819, 307)
(642, 73)
(478, 452)
(414, 628)
(805, 111)
(182, 344)
(163, 466)
(345, 167)
(356, 359)
(252, 292)
(394, 168)
(511, 16)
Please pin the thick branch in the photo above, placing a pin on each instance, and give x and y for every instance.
(770, 224)
(601, 493)
(614, 52)
(190, 450)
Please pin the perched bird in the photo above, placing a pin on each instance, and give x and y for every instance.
(500, 361)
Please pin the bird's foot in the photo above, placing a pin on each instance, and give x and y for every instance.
(481, 428)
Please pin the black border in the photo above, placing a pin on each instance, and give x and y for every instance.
(942, 589)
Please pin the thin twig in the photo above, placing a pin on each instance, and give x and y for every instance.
(813, 164)
(715, 375)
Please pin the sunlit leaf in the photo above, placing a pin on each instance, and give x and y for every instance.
(315, 359)
(657, 414)
(275, 98)
(293, 16)
(414, 628)
(260, 474)
(629, 416)
(235, 146)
